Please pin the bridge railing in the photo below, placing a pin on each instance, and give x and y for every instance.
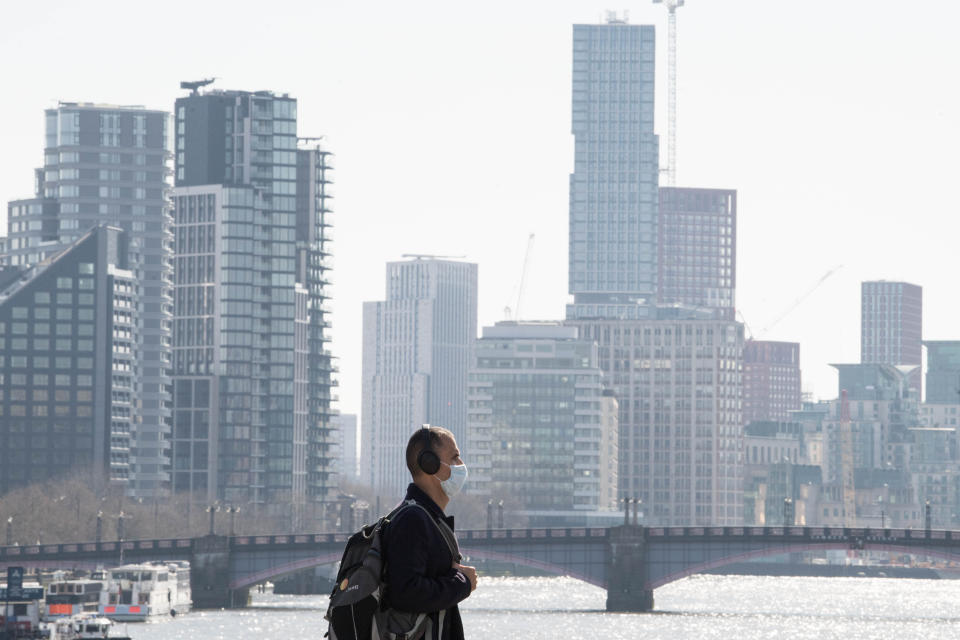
(807, 533)
(175, 545)
(93, 548)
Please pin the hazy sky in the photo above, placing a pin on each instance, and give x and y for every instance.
(837, 122)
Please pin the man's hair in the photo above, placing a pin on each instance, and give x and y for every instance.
(416, 444)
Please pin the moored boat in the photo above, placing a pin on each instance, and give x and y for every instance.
(67, 597)
(83, 626)
(136, 592)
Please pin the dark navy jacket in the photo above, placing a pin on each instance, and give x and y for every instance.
(420, 575)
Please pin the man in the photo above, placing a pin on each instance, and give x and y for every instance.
(424, 574)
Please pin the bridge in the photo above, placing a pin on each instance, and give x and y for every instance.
(629, 561)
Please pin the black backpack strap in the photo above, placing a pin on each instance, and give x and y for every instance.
(445, 532)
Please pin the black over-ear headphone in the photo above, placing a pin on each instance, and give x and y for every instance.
(427, 459)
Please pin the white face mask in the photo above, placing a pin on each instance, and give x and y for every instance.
(458, 477)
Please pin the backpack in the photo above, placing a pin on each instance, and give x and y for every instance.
(356, 610)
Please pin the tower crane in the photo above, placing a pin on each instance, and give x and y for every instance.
(514, 314)
(671, 168)
(793, 305)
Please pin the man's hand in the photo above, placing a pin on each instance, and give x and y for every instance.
(470, 572)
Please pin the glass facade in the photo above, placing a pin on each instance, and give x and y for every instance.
(252, 250)
(698, 249)
(535, 419)
(943, 371)
(613, 189)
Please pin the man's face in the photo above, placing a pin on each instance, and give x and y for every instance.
(449, 454)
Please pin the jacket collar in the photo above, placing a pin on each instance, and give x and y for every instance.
(420, 496)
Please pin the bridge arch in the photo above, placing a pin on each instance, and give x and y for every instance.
(555, 569)
(284, 569)
(795, 548)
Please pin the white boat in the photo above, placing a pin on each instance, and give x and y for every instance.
(83, 626)
(68, 597)
(183, 598)
(136, 592)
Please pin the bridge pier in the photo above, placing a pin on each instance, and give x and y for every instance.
(627, 570)
(210, 575)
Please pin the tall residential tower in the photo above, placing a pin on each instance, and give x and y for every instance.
(252, 375)
(107, 164)
(613, 188)
(675, 368)
(417, 347)
(891, 326)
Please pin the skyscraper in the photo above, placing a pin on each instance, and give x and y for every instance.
(675, 368)
(417, 347)
(613, 188)
(252, 376)
(771, 380)
(538, 419)
(106, 164)
(698, 249)
(891, 325)
(67, 375)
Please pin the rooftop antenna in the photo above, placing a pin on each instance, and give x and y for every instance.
(671, 168)
(194, 85)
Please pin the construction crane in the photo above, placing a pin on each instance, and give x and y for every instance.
(671, 168)
(796, 303)
(793, 305)
(846, 463)
(514, 314)
(194, 85)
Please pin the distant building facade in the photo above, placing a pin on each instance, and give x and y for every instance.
(540, 434)
(891, 326)
(106, 164)
(67, 364)
(349, 431)
(679, 388)
(943, 371)
(613, 188)
(253, 378)
(417, 347)
(771, 380)
(697, 245)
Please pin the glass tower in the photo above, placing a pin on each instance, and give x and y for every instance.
(613, 189)
(252, 375)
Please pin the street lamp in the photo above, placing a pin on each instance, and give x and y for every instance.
(233, 511)
(212, 510)
(10, 531)
(99, 526)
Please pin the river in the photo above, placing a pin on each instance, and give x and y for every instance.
(702, 607)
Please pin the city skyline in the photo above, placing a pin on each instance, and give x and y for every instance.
(822, 172)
